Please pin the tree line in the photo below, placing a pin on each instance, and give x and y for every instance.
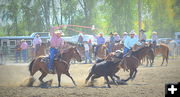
(22, 17)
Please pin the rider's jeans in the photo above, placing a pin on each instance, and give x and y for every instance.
(126, 50)
(53, 52)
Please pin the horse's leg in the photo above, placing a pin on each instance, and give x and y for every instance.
(130, 75)
(134, 74)
(163, 61)
(42, 76)
(90, 74)
(118, 78)
(166, 60)
(113, 80)
(106, 78)
(59, 80)
(152, 60)
(147, 61)
(68, 74)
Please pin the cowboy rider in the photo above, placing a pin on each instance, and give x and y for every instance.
(117, 37)
(129, 42)
(154, 38)
(143, 36)
(56, 43)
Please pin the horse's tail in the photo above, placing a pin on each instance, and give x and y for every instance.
(30, 66)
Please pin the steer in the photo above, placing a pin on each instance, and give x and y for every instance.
(105, 68)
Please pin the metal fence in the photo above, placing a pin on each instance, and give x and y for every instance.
(9, 54)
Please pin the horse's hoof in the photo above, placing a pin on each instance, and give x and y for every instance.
(108, 86)
(59, 87)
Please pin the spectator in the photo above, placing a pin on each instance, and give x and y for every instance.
(36, 44)
(116, 37)
(18, 52)
(87, 55)
(24, 47)
(4, 52)
(80, 39)
(111, 42)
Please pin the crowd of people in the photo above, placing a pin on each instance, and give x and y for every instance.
(56, 44)
(129, 40)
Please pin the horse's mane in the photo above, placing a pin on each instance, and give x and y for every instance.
(67, 50)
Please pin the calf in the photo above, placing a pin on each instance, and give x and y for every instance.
(105, 68)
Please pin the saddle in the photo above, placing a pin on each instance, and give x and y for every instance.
(47, 58)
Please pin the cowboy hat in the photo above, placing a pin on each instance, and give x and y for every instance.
(125, 33)
(80, 34)
(154, 32)
(23, 40)
(58, 32)
(142, 30)
(115, 33)
(100, 33)
(110, 33)
(132, 32)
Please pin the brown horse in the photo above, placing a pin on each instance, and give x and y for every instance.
(62, 67)
(130, 63)
(41, 51)
(133, 61)
(102, 52)
(162, 49)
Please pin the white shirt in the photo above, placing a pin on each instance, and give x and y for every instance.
(154, 37)
(37, 41)
(86, 47)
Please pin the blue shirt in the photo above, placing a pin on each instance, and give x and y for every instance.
(112, 40)
(100, 40)
(130, 42)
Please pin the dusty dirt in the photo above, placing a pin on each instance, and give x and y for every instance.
(149, 82)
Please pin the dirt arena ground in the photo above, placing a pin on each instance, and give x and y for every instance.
(149, 82)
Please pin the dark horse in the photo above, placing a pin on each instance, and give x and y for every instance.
(62, 67)
(133, 61)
